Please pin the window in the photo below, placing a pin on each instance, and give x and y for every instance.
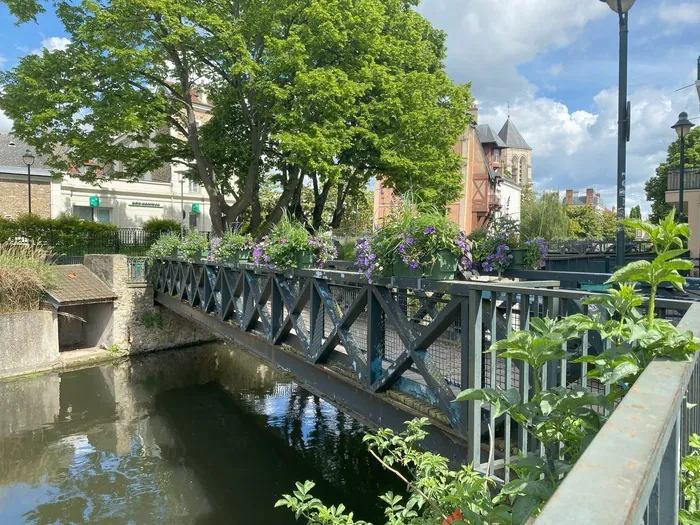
(194, 187)
(85, 213)
(103, 215)
(496, 155)
(193, 221)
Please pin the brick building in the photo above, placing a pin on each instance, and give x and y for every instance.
(588, 198)
(14, 183)
(494, 166)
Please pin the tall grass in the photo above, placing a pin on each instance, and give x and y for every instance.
(25, 273)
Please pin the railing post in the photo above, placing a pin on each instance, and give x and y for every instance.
(471, 364)
(275, 308)
(316, 323)
(669, 477)
(375, 337)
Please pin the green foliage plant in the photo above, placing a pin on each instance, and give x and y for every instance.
(290, 239)
(194, 246)
(156, 227)
(416, 234)
(230, 245)
(165, 246)
(690, 483)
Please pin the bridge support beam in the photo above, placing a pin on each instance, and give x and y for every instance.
(375, 410)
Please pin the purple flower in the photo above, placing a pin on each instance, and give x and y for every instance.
(410, 240)
(413, 265)
(429, 230)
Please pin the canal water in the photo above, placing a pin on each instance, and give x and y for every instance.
(202, 436)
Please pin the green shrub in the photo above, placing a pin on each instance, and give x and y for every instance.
(25, 274)
(230, 245)
(167, 245)
(193, 246)
(157, 227)
(289, 238)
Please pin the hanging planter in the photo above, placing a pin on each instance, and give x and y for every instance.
(305, 259)
(518, 262)
(444, 267)
(401, 269)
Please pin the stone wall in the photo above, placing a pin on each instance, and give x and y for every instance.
(28, 342)
(138, 324)
(13, 198)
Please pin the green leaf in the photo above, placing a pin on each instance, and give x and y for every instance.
(634, 271)
(524, 508)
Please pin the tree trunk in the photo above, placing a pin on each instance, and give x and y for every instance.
(320, 200)
(339, 211)
(290, 189)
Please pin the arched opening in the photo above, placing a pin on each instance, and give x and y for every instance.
(516, 170)
(523, 169)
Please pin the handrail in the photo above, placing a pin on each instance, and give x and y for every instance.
(637, 448)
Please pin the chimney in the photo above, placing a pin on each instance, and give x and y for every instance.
(590, 194)
(474, 112)
(569, 197)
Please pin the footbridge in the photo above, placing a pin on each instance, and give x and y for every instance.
(390, 350)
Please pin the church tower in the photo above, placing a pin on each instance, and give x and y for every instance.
(517, 157)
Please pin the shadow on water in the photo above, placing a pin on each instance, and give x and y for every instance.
(200, 436)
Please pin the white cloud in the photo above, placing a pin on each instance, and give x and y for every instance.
(683, 13)
(5, 123)
(486, 42)
(53, 43)
(556, 69)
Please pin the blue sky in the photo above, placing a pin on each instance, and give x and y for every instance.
(556, 62)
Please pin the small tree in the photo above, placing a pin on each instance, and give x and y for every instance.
(585, 222)
(543, 216)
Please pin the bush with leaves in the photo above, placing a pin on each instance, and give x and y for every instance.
(229, 245)
(194, 247)
(166, 246)
(157, 227)
(690, 482)
(287, 241)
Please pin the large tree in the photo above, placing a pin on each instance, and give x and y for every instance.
(585, 222)
(317, 93)
(657, 185)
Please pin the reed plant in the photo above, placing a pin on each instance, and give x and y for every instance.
(26, 272)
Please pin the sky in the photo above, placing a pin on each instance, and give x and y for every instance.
(556, 63)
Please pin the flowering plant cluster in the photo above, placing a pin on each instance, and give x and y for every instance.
(165, 246)
(193, 246)
(535, 254)
(287, 241)
(495, 254)
(230, 245)
(414, 238)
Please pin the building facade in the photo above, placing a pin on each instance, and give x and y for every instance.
(162, 194)
(588, 198)
(492, 177)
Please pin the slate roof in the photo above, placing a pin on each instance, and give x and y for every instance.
(512, 137)
(487, 136)
(75, 285)
(11, 151)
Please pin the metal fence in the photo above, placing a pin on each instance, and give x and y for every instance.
(565, 248)
(629, 474)
(418, 337)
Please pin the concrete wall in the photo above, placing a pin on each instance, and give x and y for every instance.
(138, 325)
(29, 340)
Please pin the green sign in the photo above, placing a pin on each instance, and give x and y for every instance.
(94, 201)
(195, 208)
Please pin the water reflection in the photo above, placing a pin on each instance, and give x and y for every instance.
(206, 435)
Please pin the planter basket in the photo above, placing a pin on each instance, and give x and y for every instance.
(518, 262)
(401, 269)
(243, 256)
(445, 266)
(305, 259)
(174, 253)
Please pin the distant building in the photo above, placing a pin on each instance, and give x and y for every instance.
(162, 193)
(588, 198)
(494, 167)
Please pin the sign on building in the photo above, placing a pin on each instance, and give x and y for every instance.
(94, 201)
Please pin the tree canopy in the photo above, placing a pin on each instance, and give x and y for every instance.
(543, 216)
(656, 186)
(320, 94)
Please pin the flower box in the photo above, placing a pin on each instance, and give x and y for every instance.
(401, 269)
(444, 267)
(518, 262)
(305, 259)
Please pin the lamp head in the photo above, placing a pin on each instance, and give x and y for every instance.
(683, 126)
(616, 5)
(28, 158)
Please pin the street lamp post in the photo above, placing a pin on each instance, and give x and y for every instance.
(182, 206)
(621, 7)
(682, 127)
(28, 159)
